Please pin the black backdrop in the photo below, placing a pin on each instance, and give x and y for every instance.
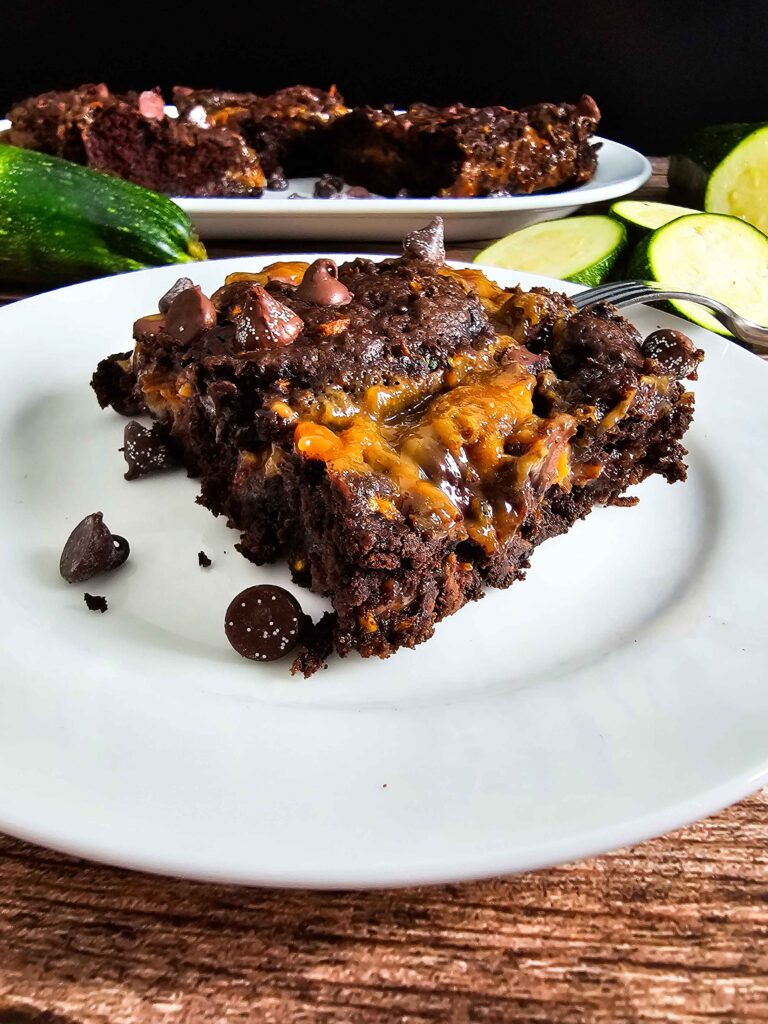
(656, 68)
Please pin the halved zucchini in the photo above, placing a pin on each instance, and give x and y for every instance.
(641, 216)
(711, 254)
(580, 249)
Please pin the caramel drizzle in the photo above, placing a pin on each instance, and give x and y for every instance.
(443, 443)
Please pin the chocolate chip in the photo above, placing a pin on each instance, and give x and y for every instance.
(428, 243)
(263, 322)
(277, 181)
(189, 315)
(264, 623)
(146, 450)
(91, 549)
(322, 286)
(151, 105)
(203, 560)
(402, 193)
(358, 192)
(176, 289)
(147, 328)
(673, 351)
(95, 603)
(328, 186)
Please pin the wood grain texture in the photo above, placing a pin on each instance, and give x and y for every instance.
(673, 931)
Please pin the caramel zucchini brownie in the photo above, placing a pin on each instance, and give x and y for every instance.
(466, 151)
(231, 143)
(403, 433)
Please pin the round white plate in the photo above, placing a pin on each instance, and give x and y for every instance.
(617, 693)
(620, 170)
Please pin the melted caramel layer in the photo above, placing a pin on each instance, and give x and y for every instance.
(466, 466)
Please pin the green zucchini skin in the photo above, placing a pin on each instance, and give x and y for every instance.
(691, 166)
(60, 222)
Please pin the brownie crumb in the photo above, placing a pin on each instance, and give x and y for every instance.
(317, 643)
(358, 192)
(95, 603)
(203, 560)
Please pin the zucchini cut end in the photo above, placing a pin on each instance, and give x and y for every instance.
(579, 249)
(739, 184)
(712, 254)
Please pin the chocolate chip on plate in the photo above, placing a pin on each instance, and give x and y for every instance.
(322, 286)
(427, 243)
(146, 450)
(264, 623)
(96, 603)
(277, 181)
(90, 549)
(189, 315)
(176, 289)
(203, 560)
(328, 186)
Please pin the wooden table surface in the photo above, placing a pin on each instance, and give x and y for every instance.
(673, 930)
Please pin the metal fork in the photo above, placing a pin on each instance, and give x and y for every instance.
(630, 293)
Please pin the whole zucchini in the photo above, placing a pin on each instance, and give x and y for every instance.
(60, 222)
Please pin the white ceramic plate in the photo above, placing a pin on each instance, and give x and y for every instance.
(619, 692)
(620, 170)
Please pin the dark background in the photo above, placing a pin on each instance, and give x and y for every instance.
(655, 68)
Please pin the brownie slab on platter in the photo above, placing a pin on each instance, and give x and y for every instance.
(237, 143)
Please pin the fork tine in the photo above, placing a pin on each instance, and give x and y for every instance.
(613, 292)
(601, 293)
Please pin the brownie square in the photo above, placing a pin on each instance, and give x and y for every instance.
(403, 433)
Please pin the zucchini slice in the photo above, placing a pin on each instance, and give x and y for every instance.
(61, 222)
(712, 254)
(725, 167)
(580, 249)
(641, 216)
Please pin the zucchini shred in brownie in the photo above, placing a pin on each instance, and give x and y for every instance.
(402, 432)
